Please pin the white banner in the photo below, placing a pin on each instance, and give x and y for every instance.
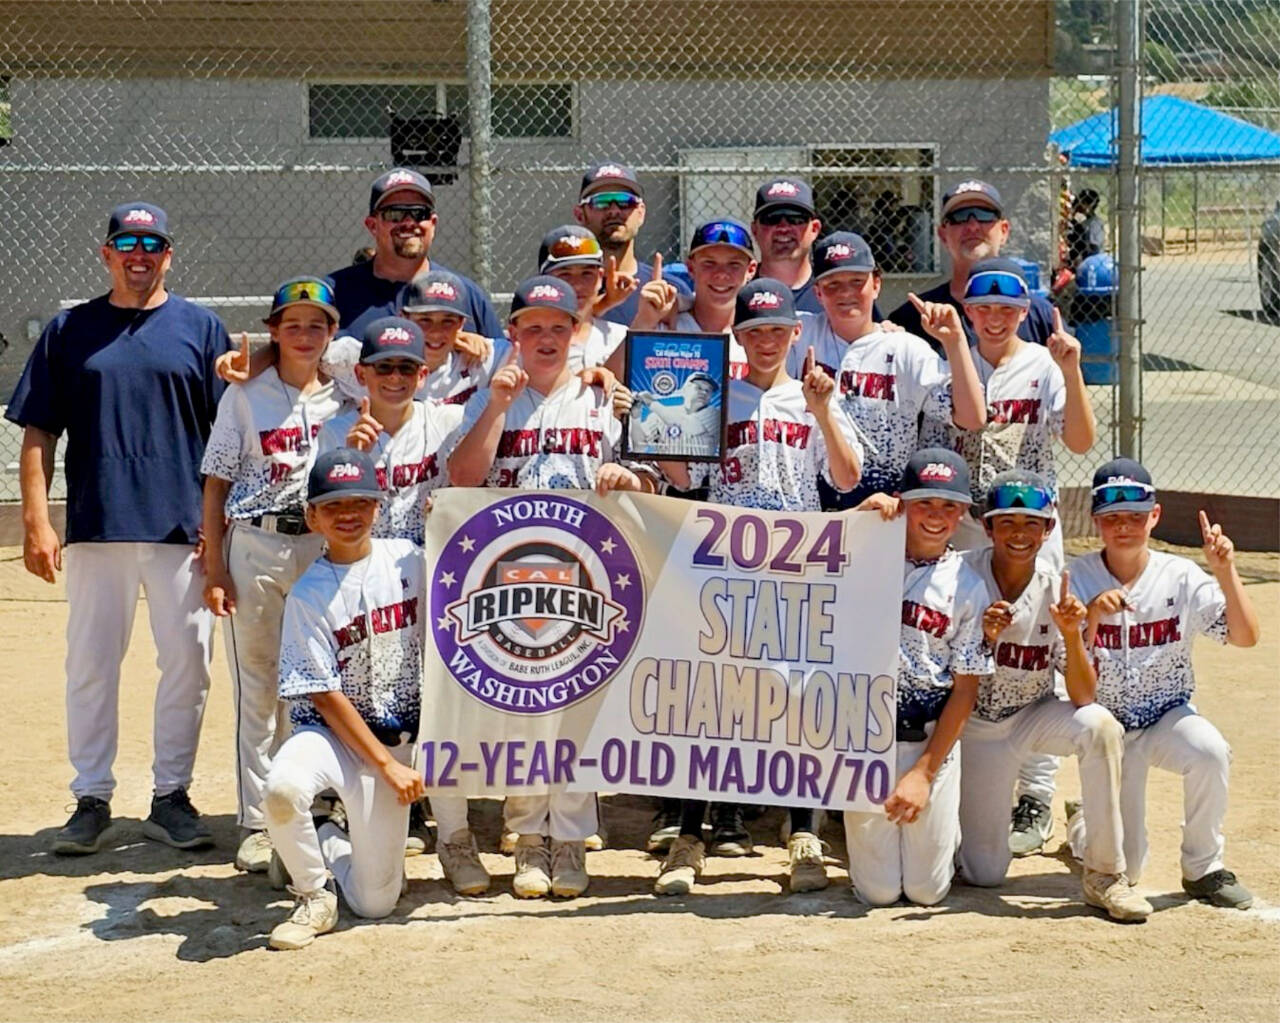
(649, 644)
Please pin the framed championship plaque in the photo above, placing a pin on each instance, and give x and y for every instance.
(679, 384)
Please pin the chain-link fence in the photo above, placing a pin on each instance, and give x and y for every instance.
(259, 126)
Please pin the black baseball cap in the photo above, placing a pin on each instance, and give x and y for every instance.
(1122, 485)
(138, 218)
(1019, 492)
(842, 252)
(935, 472)
(437, 291)
(544, 292)
(392, 337)
(395, 180)
(785, 193)
(600, 177)
(764, 302)
(569, 245)
(972, 193)
(342, 472)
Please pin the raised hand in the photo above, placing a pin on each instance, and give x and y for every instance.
(1219, 551)
(233, 367)
(658, 300)
(940, 320)
(508, 383)
(1069, 613)
(1064, 348)
(995, 619)
(364, 433)
(816, 384)
(617, 287)
(475, 349)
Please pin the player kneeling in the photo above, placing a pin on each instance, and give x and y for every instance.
(909, 849)
(350, 667)
(1033, 626)
(1145, 607)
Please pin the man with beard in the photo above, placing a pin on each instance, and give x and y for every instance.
(402, 220)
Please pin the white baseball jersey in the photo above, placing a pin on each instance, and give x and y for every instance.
(774, 450)
(1143, 657)
(1028, 652)
(884, 380)
(686, 324)
(410, 465)
(357, 629)
(264, 442)
(556, 441)
(452, 382)
(1026, 403)
(601, 342)
(941, 636)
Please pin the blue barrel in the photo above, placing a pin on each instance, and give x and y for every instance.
(1031, 271)
(1091, 318)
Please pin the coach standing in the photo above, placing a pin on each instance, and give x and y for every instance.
(129, 378)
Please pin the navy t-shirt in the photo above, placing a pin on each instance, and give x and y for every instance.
(1036, 327)
(136, 394)
(625, 312)
(362, 297)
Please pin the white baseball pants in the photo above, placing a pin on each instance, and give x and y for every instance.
(565, 816)
(990, 754)
(1187, 744)
(263, 566)
(368, 861)
(888, 861)
(102, 594)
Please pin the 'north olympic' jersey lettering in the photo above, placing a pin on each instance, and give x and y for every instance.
(1141, 634)
(1024, 658)
(403, 614)
(777, 431)
(925, 619)
(1015, 410)
(551, 440)
(868, 385)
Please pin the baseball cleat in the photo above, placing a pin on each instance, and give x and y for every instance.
(82, 834)
(460, 861)
(683, 867)
(174, 821)
(569, 877)
(599, 840)
(1221, 888)
(1115, 894)
(254, 854)
(507, 843)
(1031, 826)
(313, 914)
(666, 826)
(807, 865)
(533, 868)
(729, 835)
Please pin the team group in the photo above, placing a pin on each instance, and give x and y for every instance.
(286, 491)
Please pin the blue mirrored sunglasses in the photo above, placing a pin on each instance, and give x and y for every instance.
(1008, 496)
(128, 242)
(1117, 493)
(721, 232)
(995, 283)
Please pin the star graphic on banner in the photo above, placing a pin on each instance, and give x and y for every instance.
(608, 546)
(447, 579)
(442, 622)
(623, 625)
(467, 544)
(622, 580)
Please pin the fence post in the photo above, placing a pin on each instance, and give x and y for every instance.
(1129, 222)
(479, 90)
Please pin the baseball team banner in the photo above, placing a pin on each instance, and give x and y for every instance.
(647, 644)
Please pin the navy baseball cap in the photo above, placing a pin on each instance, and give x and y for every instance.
(1019, 492)
(1122, 485)
(544, 292)
(435, 292)
(601, 177)
(842, 252)
(935, 472)
(784, 193)
(342, 472)
(997, 281)
(316, 291)
(972, 193)
(569, 245)
(764, 302)
(724, 231)
(138, 218)
(397, 179)
(392, 337)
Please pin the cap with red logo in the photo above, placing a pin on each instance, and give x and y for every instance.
(785, 193)
(935, 472)
(138, 218)
(392, 337)
(400, 179)
(544, 292)
(764, 302)
(342, 472)
(609, 175)
(842, 252)
(437, 291)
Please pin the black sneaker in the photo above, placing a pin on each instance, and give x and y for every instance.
(1031, 826)
(1220, 888)
(418, 840)
(729, 835)
(666, 826)
(82, 834)
(174, 821)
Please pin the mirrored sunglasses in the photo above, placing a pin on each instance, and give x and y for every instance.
(571, 246)
(1118, 493)
(150, 243)
(995, 284)
(1010, 496)
(303, 291)
(612, 200)
(721, 232)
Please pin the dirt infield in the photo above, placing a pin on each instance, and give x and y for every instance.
(144, 932)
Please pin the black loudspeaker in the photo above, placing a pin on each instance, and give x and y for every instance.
(427, 140)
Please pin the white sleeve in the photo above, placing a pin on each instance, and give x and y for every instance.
(969, 652)
(1207, 613)
(845, 424)
(339, 363)
(1056, 400)
(308, 652)
(926, 372)
(224, 450)
(471, 413)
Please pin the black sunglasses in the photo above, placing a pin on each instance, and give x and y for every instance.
(772, 218)
(405, 369)
(395, 213)
(979, 213)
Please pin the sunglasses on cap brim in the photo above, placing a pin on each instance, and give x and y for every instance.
(574, 247)
(151, 243)
(1121, 493)
(997, 284)
(314, 292)
(721, 232)
(1013, 497)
